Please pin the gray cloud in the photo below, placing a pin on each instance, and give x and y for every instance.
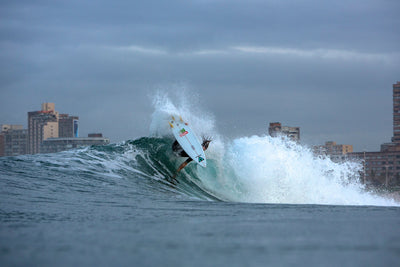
(326, 67)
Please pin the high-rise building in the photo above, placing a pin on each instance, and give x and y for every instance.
(383, 167)
(42, 125)
(67, 126)
(276, 129)
(396, 113)
(13, 140)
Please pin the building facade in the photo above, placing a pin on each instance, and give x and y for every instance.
(379, 168)
(333, 151)
(53, 145)
(42, 125)
(276, 129)
(13, 140)
(67, 126)
(396, 113)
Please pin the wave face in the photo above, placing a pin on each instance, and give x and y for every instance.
(256, 169)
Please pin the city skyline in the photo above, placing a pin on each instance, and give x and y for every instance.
(48, 131)
(388, 139)
(326, 67)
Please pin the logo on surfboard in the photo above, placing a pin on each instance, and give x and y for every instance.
(183, 132)
(200, 159)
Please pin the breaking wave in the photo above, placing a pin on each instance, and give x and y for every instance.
(254, 169)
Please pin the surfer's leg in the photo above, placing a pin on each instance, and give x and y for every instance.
(183, 165)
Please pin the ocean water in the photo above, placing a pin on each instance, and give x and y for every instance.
(261, 201)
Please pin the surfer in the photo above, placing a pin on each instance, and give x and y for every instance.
(176, 147)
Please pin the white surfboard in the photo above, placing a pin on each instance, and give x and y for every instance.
(188, 140)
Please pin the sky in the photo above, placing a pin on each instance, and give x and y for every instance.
(327, 67)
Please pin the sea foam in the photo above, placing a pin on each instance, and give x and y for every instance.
(263, 169)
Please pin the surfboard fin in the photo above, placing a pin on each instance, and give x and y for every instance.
(170, 124)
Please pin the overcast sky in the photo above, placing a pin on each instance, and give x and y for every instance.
(325, 66)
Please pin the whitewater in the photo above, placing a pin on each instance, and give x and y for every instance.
(260, 201)
(262, 169)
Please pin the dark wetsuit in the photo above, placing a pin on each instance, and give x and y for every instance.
(176, 147)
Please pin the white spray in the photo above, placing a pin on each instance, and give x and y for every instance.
(262, 169)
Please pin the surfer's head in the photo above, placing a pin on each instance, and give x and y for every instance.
(206, 142)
